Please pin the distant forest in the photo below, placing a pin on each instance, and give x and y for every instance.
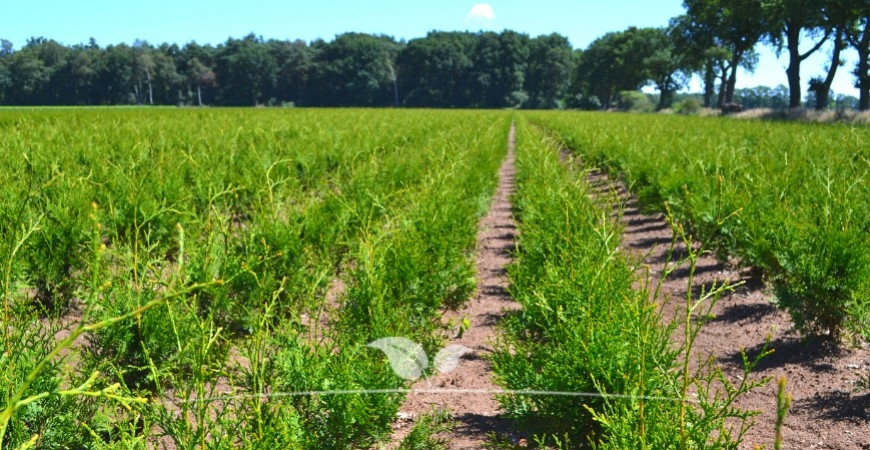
(462, 69)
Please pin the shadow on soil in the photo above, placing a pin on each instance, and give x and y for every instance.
(495, 291)
(639, 220)
(476, 425)
(738, 313)
(648, 228)
(813, 355)
(643, 244)
(837, 405)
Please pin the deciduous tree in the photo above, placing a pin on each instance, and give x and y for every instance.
(548, 73)
(735, 26)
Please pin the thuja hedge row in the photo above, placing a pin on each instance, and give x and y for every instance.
(222, 232)
(605, 367)
(791, 199)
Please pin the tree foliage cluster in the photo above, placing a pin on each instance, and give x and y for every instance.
(713, 38)
(456, 69)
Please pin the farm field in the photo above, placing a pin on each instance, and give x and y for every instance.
(781, 207)
(264, 278)
(788, 199)
(166, 270)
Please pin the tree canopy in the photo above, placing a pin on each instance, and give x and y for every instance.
(454, 69)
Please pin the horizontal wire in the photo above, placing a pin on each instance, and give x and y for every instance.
(440, 392)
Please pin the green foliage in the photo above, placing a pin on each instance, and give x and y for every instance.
(584, 328)
(195, 263)
(635, 101)
(688, 107)
(797, 193)
(54, 419)
(424, 435)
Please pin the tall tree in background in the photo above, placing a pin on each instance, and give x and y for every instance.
(116, 77)
(822, 20)
(354, 69)
(143, 68)
(616, 62)
(578, 96)
(434, 71)
(667, 66)
(697, 43)
(6, 51)
(245, 72)
(295, 63)
(736, 26)
(168, 81)
(499, 70)
(197, 65)
(28, 75)
(548, 74)
(858, 36)
(83, 74)
(840, 17)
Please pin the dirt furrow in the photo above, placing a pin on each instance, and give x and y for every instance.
(827, 411)
(475, 414)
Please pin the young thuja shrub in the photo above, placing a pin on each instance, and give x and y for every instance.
(426, 432)
(332, 420)
(190, 403)
(130, 347)
(51, 422)
(822, 281)
(55, 256)
(38, 382)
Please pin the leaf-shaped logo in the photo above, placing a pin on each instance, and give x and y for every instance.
(407, 358)
(448, 357)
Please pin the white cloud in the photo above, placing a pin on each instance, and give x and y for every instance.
(481, 11)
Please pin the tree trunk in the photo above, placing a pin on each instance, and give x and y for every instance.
(793, 72)
(709, 83)
(723, 83)
(666, 94)
(732, 79)
(862, 71)
(823, 90)
(150, 89)
(666, 99)
(198, 94)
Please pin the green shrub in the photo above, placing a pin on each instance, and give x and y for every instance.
(635, 101)
(689, 107)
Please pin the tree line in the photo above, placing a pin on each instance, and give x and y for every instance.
(713, 38)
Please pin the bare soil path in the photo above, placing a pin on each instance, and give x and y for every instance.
(476, 414)
(827, 412)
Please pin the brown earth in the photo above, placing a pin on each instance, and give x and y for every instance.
(827, 412)
(475, 414)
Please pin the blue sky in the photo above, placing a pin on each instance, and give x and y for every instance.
(179, 21)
